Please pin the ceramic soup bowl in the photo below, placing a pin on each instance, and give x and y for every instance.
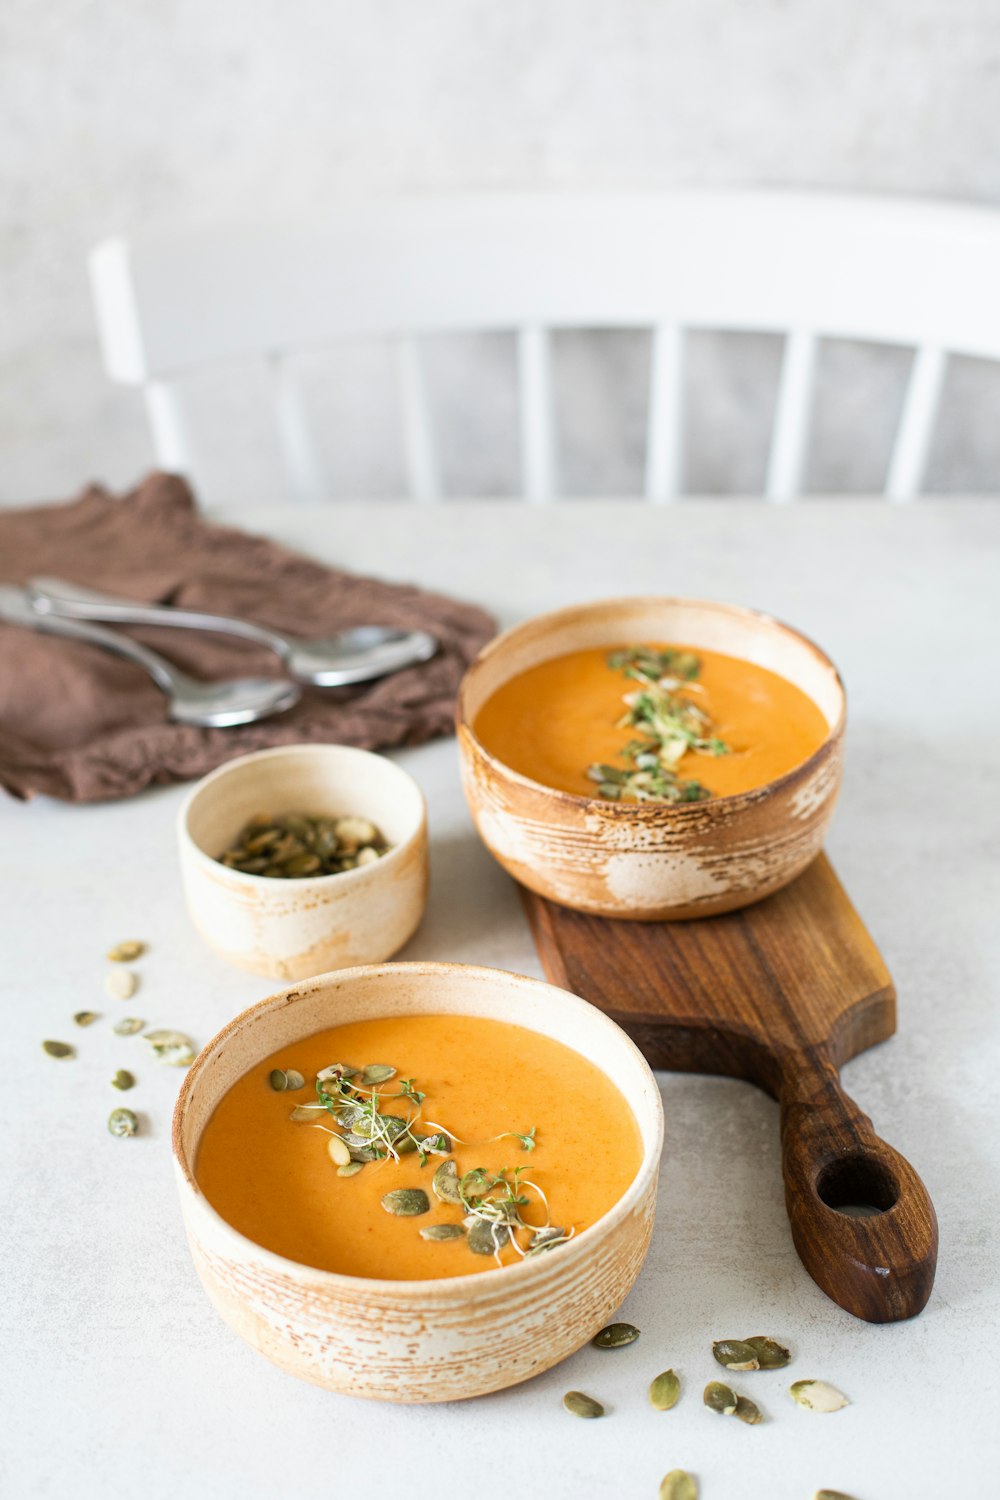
(418, 1340)
(286, 929)
(653, 861)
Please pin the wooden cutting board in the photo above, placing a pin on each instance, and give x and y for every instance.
(782, 994)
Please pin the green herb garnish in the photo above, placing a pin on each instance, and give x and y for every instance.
(670, 723)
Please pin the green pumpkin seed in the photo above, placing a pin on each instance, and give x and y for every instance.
(338, 1151)
(679, 1485)
(58, 1049)
(487, 1238)
(362, 1154)
(335, 1072)
(770, 1354)
(442, 1232)
(278, 1079)
(376, 1073)
(817, 1395)
(293, 1080)
(128, 1026)
(122, 1122)
(123, 1080)
(665, 1391)
(405, 1144)
(477, 1182)
(615, 1336)
(735, 1354)
(121, 984)
(832, 1495)
(406, 1202)
(719, 1398)
(308, 1112)
(445, 1183)
(747, 1411)
(582, 1406)
(126, 952)
(301, 865)
(86, 1017)
(171, 1047)
(546, 1239)
(351, 1168)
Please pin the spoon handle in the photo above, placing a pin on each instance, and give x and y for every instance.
(17, 608)
(55, 598)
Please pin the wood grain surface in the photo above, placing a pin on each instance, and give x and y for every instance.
(781, 994)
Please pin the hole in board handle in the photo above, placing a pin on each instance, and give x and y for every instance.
(858, 1187)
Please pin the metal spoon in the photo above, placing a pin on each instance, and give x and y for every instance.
(238, 700)
(355, 655)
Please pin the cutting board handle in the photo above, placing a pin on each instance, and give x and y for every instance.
(878, 1265)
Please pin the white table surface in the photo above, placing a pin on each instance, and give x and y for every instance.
(117, 1376)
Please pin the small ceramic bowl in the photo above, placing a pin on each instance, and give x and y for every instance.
(418, 1340)
(653, 861)
(287, 929)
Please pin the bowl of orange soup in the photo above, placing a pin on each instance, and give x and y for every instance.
(652, 758)
(421, 1181)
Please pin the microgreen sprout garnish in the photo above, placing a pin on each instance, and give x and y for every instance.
(671, 725)
(350, 1107)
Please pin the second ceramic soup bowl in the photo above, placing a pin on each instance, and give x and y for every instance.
(653, 860)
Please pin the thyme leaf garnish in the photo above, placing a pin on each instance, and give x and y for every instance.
(671, 725)
(349, 1106)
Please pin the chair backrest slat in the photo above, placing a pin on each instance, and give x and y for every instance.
(302, 461)
(916, 425)
(665, 423)
(419, 450)
(790, 434)
(537, 415)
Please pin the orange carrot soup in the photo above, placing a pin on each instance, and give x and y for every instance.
(417, 1147)
(650, 723)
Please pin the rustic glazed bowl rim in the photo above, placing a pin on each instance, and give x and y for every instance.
(439, 1286)
(654, 810)
(304, 883)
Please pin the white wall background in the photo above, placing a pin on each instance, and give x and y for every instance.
(119, 117)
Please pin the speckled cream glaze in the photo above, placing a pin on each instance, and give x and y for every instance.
(416, 1341)
(653, 861)
(288, 929)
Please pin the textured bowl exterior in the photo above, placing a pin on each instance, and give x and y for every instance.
(288, 929)
(419, 1341)
(653, 861)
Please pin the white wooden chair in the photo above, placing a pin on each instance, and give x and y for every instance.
(921, 275)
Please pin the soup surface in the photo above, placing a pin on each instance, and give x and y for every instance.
(273, 1179)
(556, 719)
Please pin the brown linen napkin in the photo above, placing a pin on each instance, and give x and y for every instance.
(80, 724)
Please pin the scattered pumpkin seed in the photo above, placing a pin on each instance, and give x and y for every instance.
(546, 1239)
(123, 1080)
(817, 1395)
(615, 1336)
(58, 1049)
(747, 1411)
(376, 1073)
(406, 1202)
(832, 1495)
(121, 984)
(665, 1391)
(122, 1122)
(442, 1232)
(128, 1026)
(679, 1485)
(445, 1183)
(770, 1354)
(294, 1080)
(126, 952)
(735, 1354)
(350, 1168)
(487, 1237)
(582, 1406)
(338, 1151)
(720, 1398)
(86, 1017)
(171, 1047)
